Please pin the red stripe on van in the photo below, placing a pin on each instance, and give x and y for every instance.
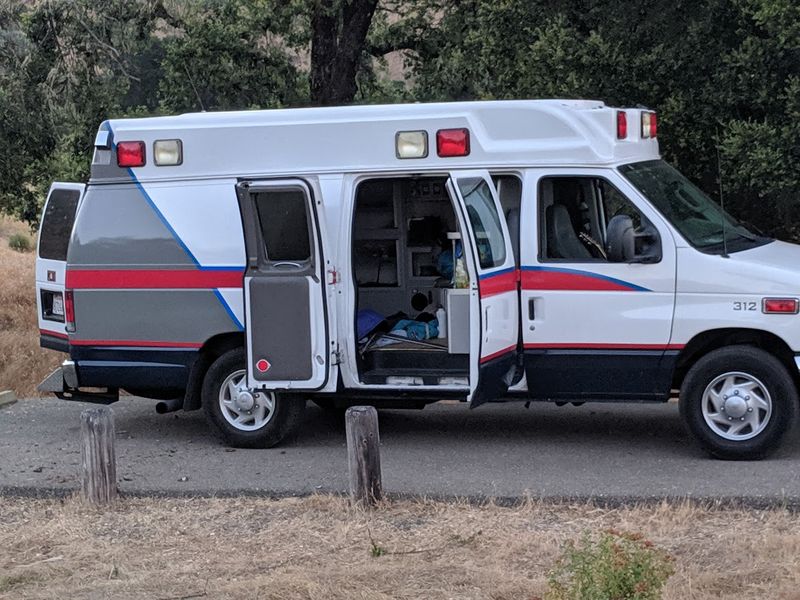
(497, 354)
(491, 285)
(57, 334)
(594, 346)
(547, 279)
(115, 279)
(136, 343)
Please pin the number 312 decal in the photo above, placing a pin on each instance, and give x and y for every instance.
(745, 305)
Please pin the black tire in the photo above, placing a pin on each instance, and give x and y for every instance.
(284, 423)
(753, 362)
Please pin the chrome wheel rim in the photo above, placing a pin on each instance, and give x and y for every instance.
(243, 408)
(737, 406)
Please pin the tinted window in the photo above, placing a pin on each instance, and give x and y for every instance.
(485, 222)
(57, 221)
(283, 215)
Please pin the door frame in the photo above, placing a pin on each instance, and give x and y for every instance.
(256, 256)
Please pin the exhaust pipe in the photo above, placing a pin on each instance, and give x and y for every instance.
(168, 406)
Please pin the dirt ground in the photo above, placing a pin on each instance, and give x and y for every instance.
(23, 364)
(320, 548)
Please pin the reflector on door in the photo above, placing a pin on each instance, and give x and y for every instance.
(263, 365)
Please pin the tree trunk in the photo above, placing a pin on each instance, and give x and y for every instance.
(338, 39)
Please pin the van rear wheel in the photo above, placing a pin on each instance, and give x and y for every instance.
(739, 402)
(243, 417)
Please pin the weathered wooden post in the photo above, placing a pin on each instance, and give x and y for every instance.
(98, 457)
(363, 454)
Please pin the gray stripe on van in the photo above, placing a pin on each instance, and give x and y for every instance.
(116, 226)
(149, 315)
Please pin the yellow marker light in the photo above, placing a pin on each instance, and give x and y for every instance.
(411, 144)
(168, 153)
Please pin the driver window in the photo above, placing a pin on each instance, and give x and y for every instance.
(574, 213)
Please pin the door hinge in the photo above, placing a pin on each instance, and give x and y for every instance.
(336, 356)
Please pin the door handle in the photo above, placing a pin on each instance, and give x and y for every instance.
(287, 263)
(531, 309)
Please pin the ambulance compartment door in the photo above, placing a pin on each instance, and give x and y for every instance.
(494, 295)
(286, 320)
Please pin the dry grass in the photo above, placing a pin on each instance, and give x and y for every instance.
(23, 364)
(319, 548)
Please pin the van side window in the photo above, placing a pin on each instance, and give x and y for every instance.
(57, 222)
(485, 222)
(574, 213)
(283, 217)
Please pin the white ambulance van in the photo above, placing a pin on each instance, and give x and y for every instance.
(245, 262)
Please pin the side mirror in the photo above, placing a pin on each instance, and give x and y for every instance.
(627, 244)
(621, 241)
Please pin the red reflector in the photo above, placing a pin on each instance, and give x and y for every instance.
(622, 125)
(130, 154)
(452, 142)
(69, 309)
(653, 125)
(780, 305)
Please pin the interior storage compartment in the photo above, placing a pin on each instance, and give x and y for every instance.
(404, 270)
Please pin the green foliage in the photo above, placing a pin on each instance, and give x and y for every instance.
(724, 76)
(20, 243)
(611, 566)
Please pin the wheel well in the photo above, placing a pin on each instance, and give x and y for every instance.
(209, 352)
(706, 342)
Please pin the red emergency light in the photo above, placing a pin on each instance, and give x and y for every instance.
(780, 306)
(130, 154)
(452, 142)
(622, 125)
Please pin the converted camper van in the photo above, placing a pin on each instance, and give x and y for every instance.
(246, 262)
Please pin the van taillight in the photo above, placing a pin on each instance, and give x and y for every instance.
(69, 310)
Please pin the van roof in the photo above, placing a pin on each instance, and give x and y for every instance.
(362, 138)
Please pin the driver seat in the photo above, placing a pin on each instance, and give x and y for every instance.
(562, 240)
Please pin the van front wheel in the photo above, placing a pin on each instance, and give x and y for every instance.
(247, 418)
(739, 402)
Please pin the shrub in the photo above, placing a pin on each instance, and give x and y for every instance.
(611, 566)
(20, 243)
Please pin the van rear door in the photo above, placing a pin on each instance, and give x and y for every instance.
(494, 303)
(55, 230)
(286, 317)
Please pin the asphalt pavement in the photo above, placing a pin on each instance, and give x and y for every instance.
(608, 453)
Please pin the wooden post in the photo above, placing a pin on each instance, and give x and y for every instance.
(363, 454)
(98, 458)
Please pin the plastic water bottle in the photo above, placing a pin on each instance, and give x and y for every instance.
(441, 316)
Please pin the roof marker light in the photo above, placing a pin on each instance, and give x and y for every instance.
(452, 142)
(168, 153)
(411, 144)
(780, 306)
(130, 154)
(649, 125)
(622, 125)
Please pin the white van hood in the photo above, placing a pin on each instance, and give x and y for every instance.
(771, 269)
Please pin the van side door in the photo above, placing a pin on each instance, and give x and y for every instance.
(286, 317)
(55, 230)
(494, 298)
(596, 318)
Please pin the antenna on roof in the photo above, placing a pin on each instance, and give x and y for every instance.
(191, 82)
(722, 204)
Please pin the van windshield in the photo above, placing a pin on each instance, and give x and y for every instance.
(698, 218)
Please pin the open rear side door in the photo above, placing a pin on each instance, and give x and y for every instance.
(286, 320)
(494, 305)
(55, 230)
